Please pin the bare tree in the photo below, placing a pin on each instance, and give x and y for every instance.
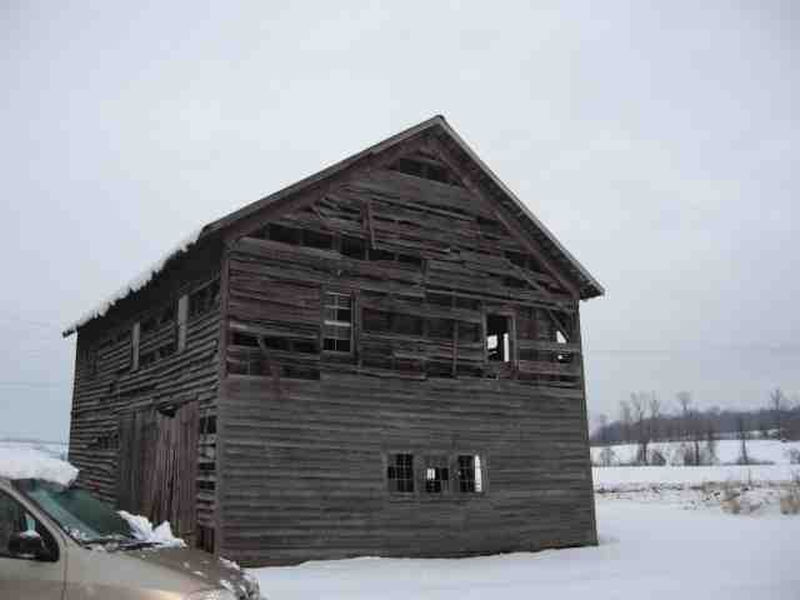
(626, 418)
(602, 428)
(778, 405)
(655, 417)
(741, 433)
(639, 409)
(685, 402)
(711, 442)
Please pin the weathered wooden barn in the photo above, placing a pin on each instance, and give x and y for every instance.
(384, 358)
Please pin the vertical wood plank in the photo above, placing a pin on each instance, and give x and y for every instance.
(183, 316)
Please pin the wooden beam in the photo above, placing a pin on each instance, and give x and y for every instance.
(183, 316)
(135, 339)
(366, 207)
(309, 191)
(273, 368)
(559, 325)
(522, 236)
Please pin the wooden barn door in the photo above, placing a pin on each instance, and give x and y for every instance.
(158, 465)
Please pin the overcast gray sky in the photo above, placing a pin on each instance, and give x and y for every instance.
(659, 143)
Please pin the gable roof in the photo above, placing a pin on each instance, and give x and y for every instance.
(587, 286)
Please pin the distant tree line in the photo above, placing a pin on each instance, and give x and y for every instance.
(643, 419)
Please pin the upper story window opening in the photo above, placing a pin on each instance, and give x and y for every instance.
(426, 169)
(498, 338)
(204, 300)
(338, 322)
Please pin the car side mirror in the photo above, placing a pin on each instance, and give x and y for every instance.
(28, 544)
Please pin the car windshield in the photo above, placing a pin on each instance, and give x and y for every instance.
(83, 517)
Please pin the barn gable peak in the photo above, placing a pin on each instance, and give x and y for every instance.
(431, 149)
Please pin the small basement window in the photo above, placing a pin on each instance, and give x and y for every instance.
(400, 473)
(498, 338)
(338, 322)
(470, 474)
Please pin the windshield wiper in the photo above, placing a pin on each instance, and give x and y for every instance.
(135, 545)
(106, 539)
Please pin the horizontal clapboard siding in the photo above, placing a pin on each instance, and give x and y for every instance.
(304, 474)
(108, 384)
(303, 460)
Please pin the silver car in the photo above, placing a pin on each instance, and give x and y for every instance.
(59, 542)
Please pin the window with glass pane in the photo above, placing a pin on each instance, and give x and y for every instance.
(338, 322)
(437, 475)
(400, 473)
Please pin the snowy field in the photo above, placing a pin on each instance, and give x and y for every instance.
(648, 551)
(665, 532)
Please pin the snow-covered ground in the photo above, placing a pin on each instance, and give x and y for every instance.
(665, 532)
(606, 478)
(646, 551)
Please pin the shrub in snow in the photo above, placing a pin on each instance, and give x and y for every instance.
(790, 500)
(731, 498)
(658, 458)
(794, 456)
(607, 457)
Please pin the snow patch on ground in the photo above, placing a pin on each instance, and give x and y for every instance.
(20, 461)
(143, 530)
(136, 284)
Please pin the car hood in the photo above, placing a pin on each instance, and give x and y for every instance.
(200, 565)
(138, 573)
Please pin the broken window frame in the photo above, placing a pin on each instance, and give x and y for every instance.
(336, 323)
(505, 347)
(204, 299)
(436, 476)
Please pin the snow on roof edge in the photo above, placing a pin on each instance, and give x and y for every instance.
(135, 284)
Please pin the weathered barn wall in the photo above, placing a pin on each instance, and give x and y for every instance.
(176, 363)
(398, 310)
(305, 471)
(307, 432)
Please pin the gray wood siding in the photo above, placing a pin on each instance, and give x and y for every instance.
(107, 383)
(305, 475)
(306, 433)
